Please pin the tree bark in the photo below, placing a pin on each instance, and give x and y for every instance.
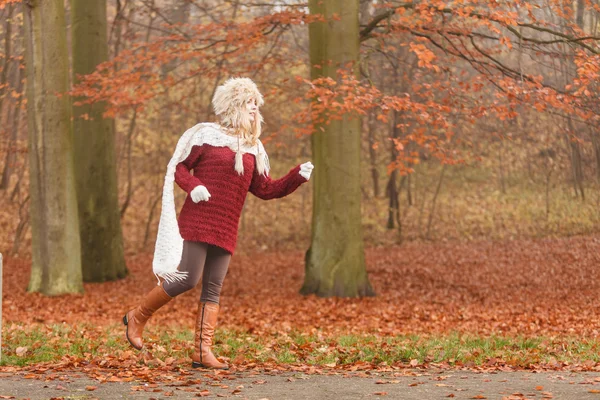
(16, 124)
(372, 155)
(6, 172)
(56, 257)
(95, 158)
(335, 262)
(392, 190)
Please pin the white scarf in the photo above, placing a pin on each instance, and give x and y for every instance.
(169, 243)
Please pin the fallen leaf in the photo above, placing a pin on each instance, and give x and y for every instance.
(91, 388)
(479, 396)
(539, 388)
(380, 393)
(21, 351)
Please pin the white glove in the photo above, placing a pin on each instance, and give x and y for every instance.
(306, 170)
(200, 193)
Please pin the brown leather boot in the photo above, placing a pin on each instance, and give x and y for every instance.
(136, 319)
(206, 321)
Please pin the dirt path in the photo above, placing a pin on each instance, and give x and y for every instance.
(250, 385)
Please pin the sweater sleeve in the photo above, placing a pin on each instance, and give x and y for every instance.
(266, 188)
(183, 177)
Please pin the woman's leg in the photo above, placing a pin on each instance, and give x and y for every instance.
(193, 259)
(215, 269)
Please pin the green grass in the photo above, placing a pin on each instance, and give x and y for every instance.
(54, 343)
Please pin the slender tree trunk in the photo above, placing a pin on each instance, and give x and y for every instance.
(56, 257)
(392, 191)
(434, 201)
(580, 13)
(501, 166)
(596, 144)
(373, 156)
(335, 262)
(569, 69)
(7, 52)
(6, 172)
(95, 160)
(549, 168)
(129, 155)
(16, 124)
(576, 160)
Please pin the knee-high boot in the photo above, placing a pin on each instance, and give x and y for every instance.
(136, 319)
(206, 322)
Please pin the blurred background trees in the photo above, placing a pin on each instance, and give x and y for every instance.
(477, 120)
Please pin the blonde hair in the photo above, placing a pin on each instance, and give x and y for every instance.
(229, 103)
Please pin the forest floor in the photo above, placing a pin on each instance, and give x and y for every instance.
(488, 310)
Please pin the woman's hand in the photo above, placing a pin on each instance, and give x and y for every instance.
(200, 193)
(306, 170)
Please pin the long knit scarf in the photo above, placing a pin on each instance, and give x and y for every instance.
(169, 243)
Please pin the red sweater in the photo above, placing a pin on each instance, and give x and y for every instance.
(216, 221)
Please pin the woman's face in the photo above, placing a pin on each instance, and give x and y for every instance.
(252, 108)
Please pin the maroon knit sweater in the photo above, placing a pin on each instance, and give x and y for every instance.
(216, 221)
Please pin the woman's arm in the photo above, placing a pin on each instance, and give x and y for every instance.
(184, 179)
(266, 188)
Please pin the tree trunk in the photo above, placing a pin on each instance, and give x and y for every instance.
(576, 160)
(6, 172)
(392, 191)
(372, 154)
(95, 158)
(580, 13)
(335, 262)
(596, 144)
(16, 124)
(7, 52)
(56, 257)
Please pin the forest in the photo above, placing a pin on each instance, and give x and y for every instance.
(456, 183)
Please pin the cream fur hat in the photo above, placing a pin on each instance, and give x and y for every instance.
(229, 103)
(231, 97)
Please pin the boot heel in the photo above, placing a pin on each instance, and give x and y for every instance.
(197, 365)
(125, 320)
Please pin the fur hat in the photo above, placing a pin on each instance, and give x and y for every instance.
(230, 99)
(229, 103)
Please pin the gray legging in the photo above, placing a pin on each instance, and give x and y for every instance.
(196, 258)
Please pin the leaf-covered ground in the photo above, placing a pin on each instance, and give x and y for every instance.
(483, 304)
(533, 287)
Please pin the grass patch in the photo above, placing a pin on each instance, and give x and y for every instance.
(24, 345)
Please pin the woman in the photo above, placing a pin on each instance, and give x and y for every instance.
(228, 160)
